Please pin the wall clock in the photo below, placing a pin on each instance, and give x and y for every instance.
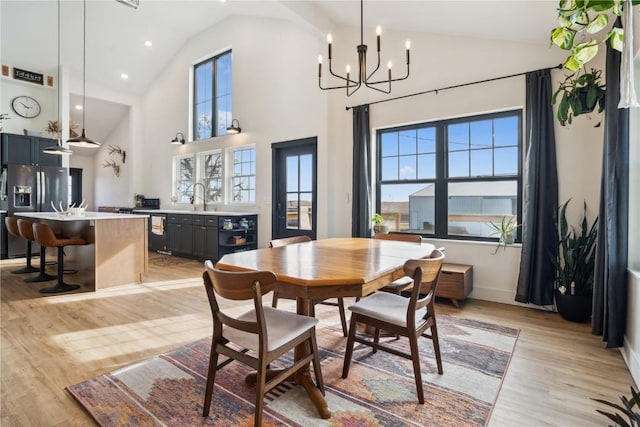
(25, 106)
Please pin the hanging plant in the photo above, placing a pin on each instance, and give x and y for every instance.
(580, 94)
(580, 23)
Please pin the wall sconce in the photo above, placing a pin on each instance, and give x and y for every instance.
(235, 127)
(178, 141)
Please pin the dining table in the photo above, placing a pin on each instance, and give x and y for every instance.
(327, 268)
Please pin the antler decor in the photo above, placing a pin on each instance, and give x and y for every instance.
(116, 149)
(112, 164)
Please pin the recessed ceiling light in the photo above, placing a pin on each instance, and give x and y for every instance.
(148, 43)
(124, 76)
(223, 1)
(78, 107)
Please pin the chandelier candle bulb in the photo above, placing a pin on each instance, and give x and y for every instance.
(408, 46)
(378, 33)
(319, 66)
(329, 40)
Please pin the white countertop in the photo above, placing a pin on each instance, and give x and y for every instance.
(187, 212)
(86, 217)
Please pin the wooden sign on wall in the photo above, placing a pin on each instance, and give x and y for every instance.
(28, 76)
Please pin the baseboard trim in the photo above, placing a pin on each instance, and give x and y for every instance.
(503, 297)
(632, 359)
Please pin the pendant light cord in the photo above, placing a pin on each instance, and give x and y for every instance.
(59, 142)
(361, 21)
(84, 60)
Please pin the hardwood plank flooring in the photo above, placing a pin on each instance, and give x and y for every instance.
(49, 342)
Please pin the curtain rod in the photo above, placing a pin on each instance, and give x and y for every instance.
(557, 67)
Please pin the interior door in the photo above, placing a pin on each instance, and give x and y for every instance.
(294, 188)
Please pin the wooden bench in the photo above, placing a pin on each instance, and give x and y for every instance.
(455, 282)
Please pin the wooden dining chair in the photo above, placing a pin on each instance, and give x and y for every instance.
(408, 317)
(264, 331)
(340, 304)
(405, 282)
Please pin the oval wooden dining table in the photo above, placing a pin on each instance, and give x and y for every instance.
(327, 268)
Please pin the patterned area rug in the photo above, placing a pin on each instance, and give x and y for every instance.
(168, 390)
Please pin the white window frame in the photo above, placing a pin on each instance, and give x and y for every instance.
(231, 176)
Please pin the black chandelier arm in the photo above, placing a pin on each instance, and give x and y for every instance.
(369, 85)
(376, 69)
(387, 80)
(337, 87)
(358, 86)
(337, 75)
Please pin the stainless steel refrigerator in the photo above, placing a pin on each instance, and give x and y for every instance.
(33, 189)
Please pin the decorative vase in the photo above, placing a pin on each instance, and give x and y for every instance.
(575, 308)
(380, 228)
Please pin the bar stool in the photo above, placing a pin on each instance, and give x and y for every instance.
(26, 232)
(12, 228)
(45, 237)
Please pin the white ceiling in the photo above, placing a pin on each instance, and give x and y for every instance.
(115, 33)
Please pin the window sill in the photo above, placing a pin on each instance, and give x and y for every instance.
(472, 242)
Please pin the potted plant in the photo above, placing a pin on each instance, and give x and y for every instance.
(630, 409)
(505, 230)
(378, 224)
(579, 93)
(574, 264)
(581, 23)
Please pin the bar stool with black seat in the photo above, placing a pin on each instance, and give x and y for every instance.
(26, 232)
(45, 236)
(12, 228)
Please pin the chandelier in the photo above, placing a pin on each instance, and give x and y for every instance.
(352, 85)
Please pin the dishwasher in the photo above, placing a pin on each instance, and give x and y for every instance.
(158, 233)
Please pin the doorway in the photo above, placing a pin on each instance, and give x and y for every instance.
(294, 188)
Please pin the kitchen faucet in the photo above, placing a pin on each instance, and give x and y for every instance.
(204, 195)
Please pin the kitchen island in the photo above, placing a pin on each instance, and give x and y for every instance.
(116, 249)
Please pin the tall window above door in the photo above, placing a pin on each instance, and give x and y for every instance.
(212, 96)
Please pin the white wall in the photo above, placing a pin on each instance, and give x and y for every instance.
(631, 350)
(275, 99)
(112, 189)
(439, 61)
(46, 97)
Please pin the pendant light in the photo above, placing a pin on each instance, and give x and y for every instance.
(82, 140)
(58, 148)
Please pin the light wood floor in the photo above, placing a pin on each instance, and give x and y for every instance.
(55, 341)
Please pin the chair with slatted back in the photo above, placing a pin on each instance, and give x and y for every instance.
(265, 331)
(408, 317)
(340, 304)
(405, 282)
(12, 227)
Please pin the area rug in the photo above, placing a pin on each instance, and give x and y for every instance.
(168, 390)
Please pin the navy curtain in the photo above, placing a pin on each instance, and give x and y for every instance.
(361, 210)
(610, 283)
(536, 277)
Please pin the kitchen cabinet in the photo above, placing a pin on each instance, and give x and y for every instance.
(240, 235)
(180, 234)
(209, 236)
(205, 237)
(27, 150)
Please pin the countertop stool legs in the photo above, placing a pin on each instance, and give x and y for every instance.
(12, 228)
(44, 236)
(26, 232)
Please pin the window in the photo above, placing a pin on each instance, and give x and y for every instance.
(453, 177)
(184, 178)
(212, 106)
(207, 168)
(212, 176)
(243, 178)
